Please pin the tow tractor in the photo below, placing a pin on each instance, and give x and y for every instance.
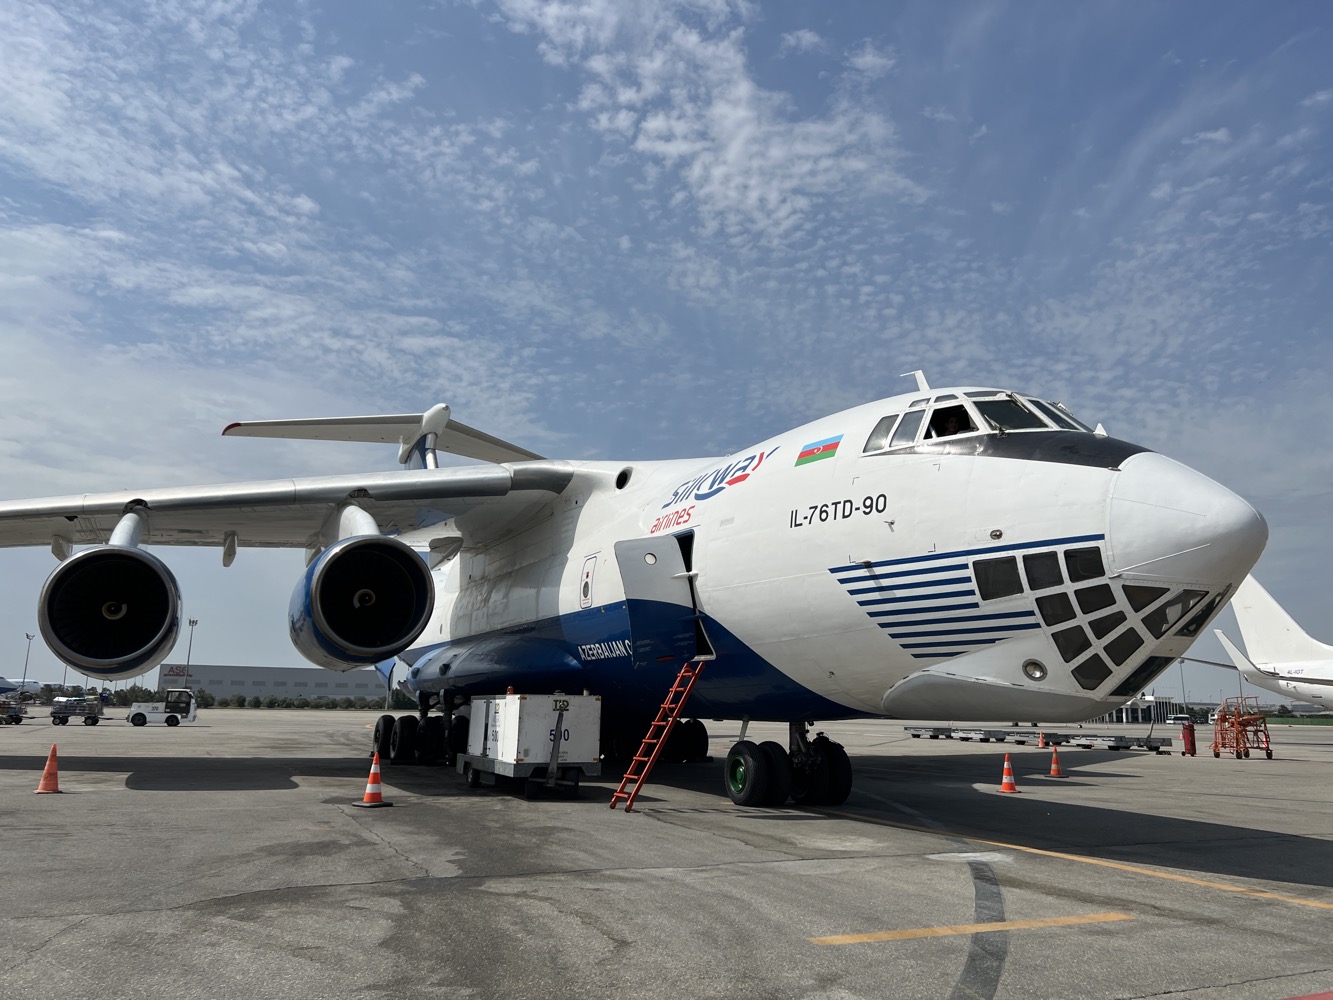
(179, 706)
(87, 707)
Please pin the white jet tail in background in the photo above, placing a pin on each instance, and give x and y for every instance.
(1282, 656)
(1271, 635)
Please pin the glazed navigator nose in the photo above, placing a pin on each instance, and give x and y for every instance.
(1167, 521)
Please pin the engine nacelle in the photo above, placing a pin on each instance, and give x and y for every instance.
(365, 599)
(110, 612)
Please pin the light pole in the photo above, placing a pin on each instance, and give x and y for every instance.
(189, 648)
(29, 636)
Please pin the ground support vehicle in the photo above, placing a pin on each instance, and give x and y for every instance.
(179, 706)
(1240, 728)
(87, 707)
(12, 712)
(545, 741)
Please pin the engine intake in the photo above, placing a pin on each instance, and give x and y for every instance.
(365, 599)
(110, 612)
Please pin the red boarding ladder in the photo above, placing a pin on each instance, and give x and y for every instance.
(656, 738)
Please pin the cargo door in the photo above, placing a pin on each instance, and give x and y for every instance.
(664, 622)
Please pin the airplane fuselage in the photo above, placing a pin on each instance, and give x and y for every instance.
(1038, 573)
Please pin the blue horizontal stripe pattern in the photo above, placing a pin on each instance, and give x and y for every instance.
(931, 592)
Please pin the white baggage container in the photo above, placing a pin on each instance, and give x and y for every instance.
(516, 735)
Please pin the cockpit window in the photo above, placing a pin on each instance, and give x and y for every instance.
(879, 437)
(1058, 415)
(907, 428)
(1008, 415)
(948, 421)
(916, 404)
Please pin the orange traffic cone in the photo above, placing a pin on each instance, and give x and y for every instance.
(1041, 741)
(1056, 770)
(50, 783)
(373, 798)
(1007, 784)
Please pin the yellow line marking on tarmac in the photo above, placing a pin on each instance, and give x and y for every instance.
(1118, 865)
(1001, 925)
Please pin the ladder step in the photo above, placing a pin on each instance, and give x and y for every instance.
(653, 741)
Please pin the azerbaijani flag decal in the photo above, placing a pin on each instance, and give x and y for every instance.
(816, 450)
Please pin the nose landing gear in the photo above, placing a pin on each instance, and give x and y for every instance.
(813, 772)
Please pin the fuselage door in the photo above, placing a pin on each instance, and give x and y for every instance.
(663, 620)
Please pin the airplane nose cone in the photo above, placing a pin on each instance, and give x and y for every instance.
(1170, 522)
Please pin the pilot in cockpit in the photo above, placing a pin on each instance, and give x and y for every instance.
(949, 422)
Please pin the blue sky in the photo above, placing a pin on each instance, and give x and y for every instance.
(616, 229)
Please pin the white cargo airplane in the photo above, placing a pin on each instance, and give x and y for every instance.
(22, 687)
(1282, 657)
(965, 553)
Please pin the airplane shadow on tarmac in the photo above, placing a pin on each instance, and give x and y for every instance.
(194, 774)
(939, 789)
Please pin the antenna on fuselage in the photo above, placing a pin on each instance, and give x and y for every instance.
(921, 383)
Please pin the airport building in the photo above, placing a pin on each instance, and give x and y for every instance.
(223, 681)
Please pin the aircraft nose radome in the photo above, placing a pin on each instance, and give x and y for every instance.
(1168, 521)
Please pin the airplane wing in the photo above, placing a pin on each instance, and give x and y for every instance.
(283, 513)
(403, 429)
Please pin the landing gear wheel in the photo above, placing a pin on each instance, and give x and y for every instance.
(829, 781)
(138, 719)
(694, 741)
(430, 739)
(840, 775)
(383, 736)
(746, 774)
(779, 772)
(172, 721)
(403, 742)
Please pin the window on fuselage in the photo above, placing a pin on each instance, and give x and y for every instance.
(949, 421)
(879, 437)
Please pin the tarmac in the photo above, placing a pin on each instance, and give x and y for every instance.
(226, 859)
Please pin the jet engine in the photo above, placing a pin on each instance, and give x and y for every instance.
(365, 599)
(110, 612)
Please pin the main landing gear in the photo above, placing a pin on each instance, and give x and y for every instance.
(813, 772)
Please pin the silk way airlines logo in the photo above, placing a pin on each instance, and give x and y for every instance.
(710, 484)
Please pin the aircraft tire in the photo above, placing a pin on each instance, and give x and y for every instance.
(138, 719)
(696, 741)
(430, 739)
(403, 742)
(383, 735)
(840, 774)
(779, 773)
(458, 735)
(746, 774)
